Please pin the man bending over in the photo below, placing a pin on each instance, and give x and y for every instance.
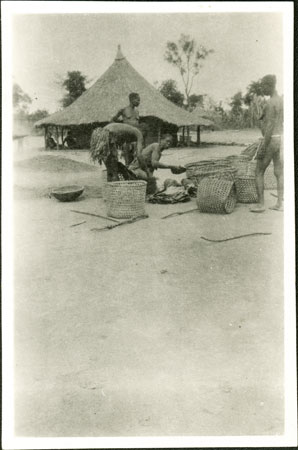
(150, 157)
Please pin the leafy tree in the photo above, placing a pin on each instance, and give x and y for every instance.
(38, 115)
(254, 89)
(20, 99)
(255, 100)
(195, 100)
(187, 56)
(236, 104)
(168, 89)
(74, 84)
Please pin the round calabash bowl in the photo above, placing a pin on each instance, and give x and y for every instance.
(67, 193)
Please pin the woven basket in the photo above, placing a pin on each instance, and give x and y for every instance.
(245, 167)
(216, 195)
(126, 199)
(104, 182)
(211, 168)
(246, 189)
(269, 178)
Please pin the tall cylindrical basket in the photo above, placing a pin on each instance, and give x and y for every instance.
(216, 195)
(126, 199)
(246, 189)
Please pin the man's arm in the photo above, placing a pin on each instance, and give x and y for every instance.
(156, 155)
(116, 117)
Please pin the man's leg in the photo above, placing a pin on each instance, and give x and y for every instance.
(262, 165)
(279, 174)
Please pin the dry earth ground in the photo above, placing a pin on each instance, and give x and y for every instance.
(145, 330)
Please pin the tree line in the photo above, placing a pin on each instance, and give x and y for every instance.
(188, 58)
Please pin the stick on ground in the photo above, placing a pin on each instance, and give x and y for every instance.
(232, 238)
(94, 215)
(180, 213)
(110, 227)
(77, 224)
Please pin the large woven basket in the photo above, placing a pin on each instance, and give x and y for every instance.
(216, 195)
(211, 168)
(126, 199)
(245, 167)
(269, 178)
(246, 189)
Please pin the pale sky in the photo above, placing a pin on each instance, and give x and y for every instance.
(246, 47)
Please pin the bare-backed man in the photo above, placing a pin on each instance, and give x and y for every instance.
(271, 147)
(130, 116)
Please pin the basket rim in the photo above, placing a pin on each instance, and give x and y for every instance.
(126, 182)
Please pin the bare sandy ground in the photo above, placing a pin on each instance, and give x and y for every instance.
(147, 329)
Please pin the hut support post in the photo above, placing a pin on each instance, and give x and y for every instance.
(45, 137)
(57, 136)
(183, 135)
(198, 135)
(62, 137)
(188, 137)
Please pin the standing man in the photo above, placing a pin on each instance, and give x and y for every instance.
(271, 148)
(130, 113)
(151, 156)
(130, 116)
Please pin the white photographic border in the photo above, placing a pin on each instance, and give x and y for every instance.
(9, 440)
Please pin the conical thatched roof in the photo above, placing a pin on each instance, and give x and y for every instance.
(110, 93)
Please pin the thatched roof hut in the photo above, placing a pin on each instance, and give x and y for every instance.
(110, 92)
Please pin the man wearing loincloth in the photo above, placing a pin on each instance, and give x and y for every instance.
(271, 145)
(130, 116)
(151, 156)
(104, 143)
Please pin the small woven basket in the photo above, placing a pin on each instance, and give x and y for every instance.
(126, 199)
(269, 178)
(246, 189)
(216, 195)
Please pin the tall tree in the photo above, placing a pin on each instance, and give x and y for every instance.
(20, 100)
(195, 100)
(254, 89)
(75, 84)
(168, 89)
(236, 104)
(187, 56)
(255, 100)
